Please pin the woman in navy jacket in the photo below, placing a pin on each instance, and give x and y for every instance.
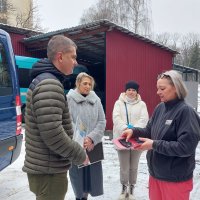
(171, 138)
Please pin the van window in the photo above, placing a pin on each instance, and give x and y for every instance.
(5, 77)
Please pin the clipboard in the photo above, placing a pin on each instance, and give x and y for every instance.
(96, 155)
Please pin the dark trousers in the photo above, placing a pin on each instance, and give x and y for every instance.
(48, 186)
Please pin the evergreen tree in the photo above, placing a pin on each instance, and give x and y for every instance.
(195, 56)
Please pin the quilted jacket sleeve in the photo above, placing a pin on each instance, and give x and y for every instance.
(52, 115)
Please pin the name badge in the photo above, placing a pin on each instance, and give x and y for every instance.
(168, 122)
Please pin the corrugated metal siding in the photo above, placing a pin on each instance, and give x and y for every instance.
(131, 59)
(18, 47)
(192, 97)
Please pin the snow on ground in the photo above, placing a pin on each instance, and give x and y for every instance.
(14, 184)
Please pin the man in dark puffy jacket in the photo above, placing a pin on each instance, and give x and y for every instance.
(50, 149)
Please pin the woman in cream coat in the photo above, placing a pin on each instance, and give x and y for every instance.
(129, 110)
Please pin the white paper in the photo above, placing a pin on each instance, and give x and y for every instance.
(80, 132)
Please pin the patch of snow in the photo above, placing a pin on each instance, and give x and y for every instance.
(14, 183)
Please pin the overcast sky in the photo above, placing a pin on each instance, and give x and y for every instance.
(173, 16)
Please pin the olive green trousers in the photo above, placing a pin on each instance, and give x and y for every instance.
(48, 186)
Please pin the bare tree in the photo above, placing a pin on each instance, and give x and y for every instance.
(131, 14)
(138, 16)
(163, 38)
(102, 10)
(29, 19)
(5, 7)
(187, 45)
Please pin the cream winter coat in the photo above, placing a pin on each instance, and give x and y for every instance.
(137, 114)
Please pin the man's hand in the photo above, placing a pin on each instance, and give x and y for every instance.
(87, 161)
(128, 133)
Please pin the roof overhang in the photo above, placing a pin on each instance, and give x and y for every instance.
(185, 69)
(24, 31)
(90, 39)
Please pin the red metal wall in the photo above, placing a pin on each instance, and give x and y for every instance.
(127, 59)
(18, 46)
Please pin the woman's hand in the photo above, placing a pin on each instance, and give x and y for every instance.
(147, 145)
(128, 133)
(88, 144)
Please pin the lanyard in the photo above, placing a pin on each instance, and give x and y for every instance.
(126, 113)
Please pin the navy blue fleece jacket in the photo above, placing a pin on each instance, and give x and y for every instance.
(175, 129)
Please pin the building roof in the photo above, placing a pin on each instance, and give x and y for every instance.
(14, 29)
(185, 69)
(90, 39)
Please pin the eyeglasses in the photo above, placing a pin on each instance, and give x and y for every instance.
(163, 75)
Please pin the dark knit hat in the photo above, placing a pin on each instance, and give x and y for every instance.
(133, 85)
